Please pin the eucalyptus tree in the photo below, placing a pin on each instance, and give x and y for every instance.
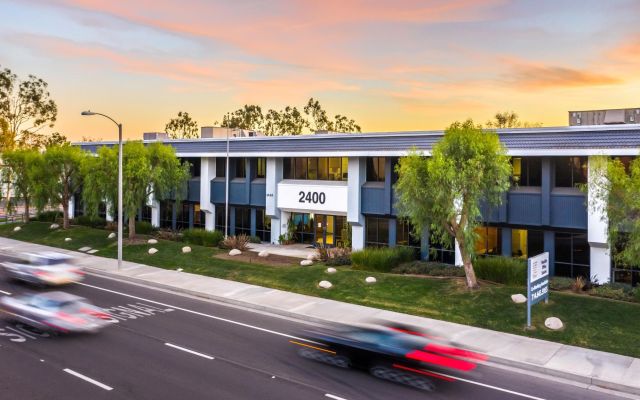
(22, 168)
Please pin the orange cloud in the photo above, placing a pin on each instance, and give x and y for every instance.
(541, 76)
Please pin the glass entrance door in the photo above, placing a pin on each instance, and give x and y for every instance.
(325, 230)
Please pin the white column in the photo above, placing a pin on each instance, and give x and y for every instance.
(109, 215)
(155, 213)
(458, 259)
(72, 207)
(357, 177)
(278, 218)
(207, 173)
(597, 224)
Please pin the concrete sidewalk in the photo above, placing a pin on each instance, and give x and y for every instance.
(588, 367)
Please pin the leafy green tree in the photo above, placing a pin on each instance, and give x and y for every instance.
(59, 177)
(614, 188)
(509, 119)
(6, 139)
(248, 117)
(21, 168)
(182, 127)
(443, 192)
(289, 121)
(55, 139)
(319, 119)
(147, 170)
(27, 108)
(344, 124)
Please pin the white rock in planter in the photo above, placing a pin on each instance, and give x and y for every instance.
(263, 253)
(179, 269)
(152, 241)
(153, 250)
(306, 263)
(553, 323)
(331, 270)
(235, 252)
(370, 279)
(325, 284)
(83, 249)
(54, 226)
(67, 239)
(93, 251)
(111, 235)
(312, 256)
(186, 249)
(17, 228)
(518, 298)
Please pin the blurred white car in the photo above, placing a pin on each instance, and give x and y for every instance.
(55, 312)
(45, 269)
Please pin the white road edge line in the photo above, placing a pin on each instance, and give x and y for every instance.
(334, 397)
(190, 351)
(3, 292)
(492, 387)
(86, 378)
(199, 313)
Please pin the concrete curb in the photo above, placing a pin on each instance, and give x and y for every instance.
(587, 380)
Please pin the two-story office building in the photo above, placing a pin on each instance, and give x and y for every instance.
(317, 184)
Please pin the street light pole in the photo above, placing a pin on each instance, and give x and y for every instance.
(226, 192)
(119, 183)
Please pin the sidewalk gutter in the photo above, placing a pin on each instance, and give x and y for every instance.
(589, 367)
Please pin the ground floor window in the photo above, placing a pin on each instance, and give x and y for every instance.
(572, 255)
(377, 232)
(78, 205)
(444, 253)
(166, 214)
(526, 243)
(182, 216)
(145, 213)
(405, 235)
(263, 225)
(489, 242)
(220, 219)
(303, 227)
(198, 216)
(243, 221)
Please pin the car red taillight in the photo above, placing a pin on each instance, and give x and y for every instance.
(70, 318)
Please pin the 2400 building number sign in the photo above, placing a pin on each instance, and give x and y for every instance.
(312, 197)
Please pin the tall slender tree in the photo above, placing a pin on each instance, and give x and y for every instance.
(22, 168)
(182, 127)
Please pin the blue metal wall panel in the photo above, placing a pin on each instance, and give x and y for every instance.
(524, 208)
(258, 194)
(238, 193)
(373, 200)
(568, 211)
(193, 193)
(217, 191)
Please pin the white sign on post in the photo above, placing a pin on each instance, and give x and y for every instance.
(537, 281)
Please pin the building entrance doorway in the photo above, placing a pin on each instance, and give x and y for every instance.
(325, 230)
(319, 229)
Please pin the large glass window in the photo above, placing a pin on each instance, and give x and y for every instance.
(527, 171)
(572, 255)
(166, 214)
(261, 167)
(375, 169)
(571, 171)
(526, 243)
(182, 216)
(304, 228)
(145, 213)
(442, 253)
(198, 216)
(194, 166)
(316, 168)
(489, 241)
(404, 234)
(263, 225)
(377, 232)
(243, 221)
(240, 168)
(221, 167)
(220, 219)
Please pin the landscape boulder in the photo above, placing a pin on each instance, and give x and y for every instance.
(553, 323)
(370, 279)
(518, 298)
(325, 284)
(235, 252)
(152, 241)
(186, 249)
(179, 269)
(17, 229)
(153, 250)
(112, 235)
(306, 263)
(312, 256)
(85, 248)
(331, 270)
(263, 253)
(67, 239)
(54, 226)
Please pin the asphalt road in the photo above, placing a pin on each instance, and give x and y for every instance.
(167, 346)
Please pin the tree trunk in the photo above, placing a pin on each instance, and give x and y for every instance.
(65, 215)
(470, 274)
(132, 227)
(26, 209)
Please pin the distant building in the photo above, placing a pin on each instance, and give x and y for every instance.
(605, 117)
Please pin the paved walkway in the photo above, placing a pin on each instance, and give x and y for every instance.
(578, 364)
(290, 250)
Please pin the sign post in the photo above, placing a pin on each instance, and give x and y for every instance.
(537, 282)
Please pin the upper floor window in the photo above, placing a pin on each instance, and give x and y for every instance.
(316, 168)
(375, 169)
(194, 166)
(527, 171)
(241, 168)
(261, 168)
(221, 167)
(571, 171)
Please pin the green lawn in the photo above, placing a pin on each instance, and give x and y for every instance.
(595, 323)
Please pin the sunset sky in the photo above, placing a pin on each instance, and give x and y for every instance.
(390, 65)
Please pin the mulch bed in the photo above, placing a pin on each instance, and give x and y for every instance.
(273, 260)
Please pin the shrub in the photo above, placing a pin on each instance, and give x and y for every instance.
(202, 237)
(48, 216)
(505, 270)
(144, 227)
(636, 294)
(335, 256)
(382, 259)
(616, 291)
(561, 283)
(255, 239)
(429, 268)
(578, 284)
(93, 222)
(239, 242)
(167, 234)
